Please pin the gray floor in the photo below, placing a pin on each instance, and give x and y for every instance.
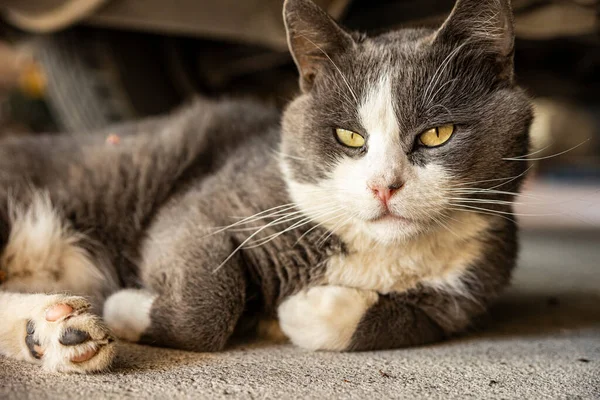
(541, 341)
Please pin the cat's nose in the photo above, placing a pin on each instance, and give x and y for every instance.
(385, 192)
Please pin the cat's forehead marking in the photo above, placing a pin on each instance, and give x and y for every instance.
(377, 114)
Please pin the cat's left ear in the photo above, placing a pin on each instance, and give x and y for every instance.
(487, 24)
(314, 38)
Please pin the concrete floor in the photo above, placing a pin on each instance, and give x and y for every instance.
(541, 341)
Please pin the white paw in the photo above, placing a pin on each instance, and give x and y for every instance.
(324, 317)
(65, 337)
(127, 313)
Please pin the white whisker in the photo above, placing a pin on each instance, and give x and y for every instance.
(302, 222)
(261, 215)
(468, 191)
(315, 227)
(513, 179)
(535, 152)
(546, 157)
(483, 212)
(483, 201)
(490, 180)
(505, 212)
(246, 241)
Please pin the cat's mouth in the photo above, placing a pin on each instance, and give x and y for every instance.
(388, 216)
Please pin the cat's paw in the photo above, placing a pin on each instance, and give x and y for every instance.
(65, 337)
(324, 317)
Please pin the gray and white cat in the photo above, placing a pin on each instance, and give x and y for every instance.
(377, 210)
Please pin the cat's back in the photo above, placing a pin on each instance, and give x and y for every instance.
(113, 181)
(203, 132)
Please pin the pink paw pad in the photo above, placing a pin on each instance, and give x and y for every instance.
(85, 356)
(57, 312)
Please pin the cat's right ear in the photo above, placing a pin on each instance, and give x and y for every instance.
(314, 38)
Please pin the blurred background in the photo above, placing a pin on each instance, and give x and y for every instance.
(79, 65)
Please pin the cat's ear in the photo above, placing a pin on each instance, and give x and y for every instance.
(486, 23)
(314, 38)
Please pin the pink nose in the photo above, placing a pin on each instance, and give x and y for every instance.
(385, 193)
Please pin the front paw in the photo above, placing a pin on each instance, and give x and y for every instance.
(65, 337)
(324, 317)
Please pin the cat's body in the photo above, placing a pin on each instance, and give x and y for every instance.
(352, 247)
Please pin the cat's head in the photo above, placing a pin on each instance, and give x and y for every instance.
(394, 133)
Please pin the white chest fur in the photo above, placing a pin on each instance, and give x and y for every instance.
(437, 259)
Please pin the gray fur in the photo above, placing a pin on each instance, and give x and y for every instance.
(150, 204)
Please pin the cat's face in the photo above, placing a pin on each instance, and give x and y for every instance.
(394, 134)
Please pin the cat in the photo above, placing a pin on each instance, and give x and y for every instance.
(374, 213)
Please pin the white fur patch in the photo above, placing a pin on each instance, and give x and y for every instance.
(127, 313)
(43, 253)
(384, 164)
(438, 258)
(324, 317)
(378, 116)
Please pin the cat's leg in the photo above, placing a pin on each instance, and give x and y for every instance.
(187, 302)
(394, 322)
(346, 319)
(187, 306)
(41, 254)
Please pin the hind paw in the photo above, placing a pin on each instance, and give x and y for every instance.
(65, 337)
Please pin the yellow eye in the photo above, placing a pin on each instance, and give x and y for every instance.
(436, 136)
(349, 138)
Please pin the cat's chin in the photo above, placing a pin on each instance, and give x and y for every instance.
(392, 218)
(391, 228)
